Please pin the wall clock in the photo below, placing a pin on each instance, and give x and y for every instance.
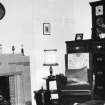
(98, 19)
(2, 11)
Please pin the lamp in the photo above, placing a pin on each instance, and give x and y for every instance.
(50, 59)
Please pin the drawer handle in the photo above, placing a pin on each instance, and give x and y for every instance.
(100, 87)
(100, 73)
(99, 59)
(77, 48)
(99, 46)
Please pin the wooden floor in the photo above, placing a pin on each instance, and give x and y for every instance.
(93, 102)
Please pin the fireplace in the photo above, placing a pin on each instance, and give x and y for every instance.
(15, 82)
(4, 87)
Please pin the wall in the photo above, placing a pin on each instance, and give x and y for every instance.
(67, 18)
(82, 16)
(16, 27)
(22, 24)
(61, 25)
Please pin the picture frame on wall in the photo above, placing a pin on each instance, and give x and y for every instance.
(46, 29)
(79, 36)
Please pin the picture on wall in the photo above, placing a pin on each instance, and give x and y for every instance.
(79, 36)
(46, 29)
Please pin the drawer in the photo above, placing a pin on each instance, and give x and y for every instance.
(75, 48)
(100, 73)
(98, 58)
(78, 46)
(99, 90)
(100, 85)
(98, 45)
(99, 69)
(99, 79)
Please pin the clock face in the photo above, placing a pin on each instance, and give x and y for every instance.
(99, 10)
(2, 11)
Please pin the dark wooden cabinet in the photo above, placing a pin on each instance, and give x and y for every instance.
(79, 53)
(98, 56)
(97, 61)
(98, 19)
(98, 47)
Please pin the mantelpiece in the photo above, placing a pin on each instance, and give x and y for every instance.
(15, 68)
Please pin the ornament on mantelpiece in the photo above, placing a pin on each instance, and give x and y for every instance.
(22, 50)
(13, 49)
(0, 48)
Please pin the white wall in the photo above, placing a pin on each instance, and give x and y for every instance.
(67, 17)
(16, 27)
(22, 24)
(82, 16)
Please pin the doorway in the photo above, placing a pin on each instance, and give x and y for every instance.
(4, 87)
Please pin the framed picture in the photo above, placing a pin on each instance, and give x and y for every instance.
(79, 36)
(46, 29)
